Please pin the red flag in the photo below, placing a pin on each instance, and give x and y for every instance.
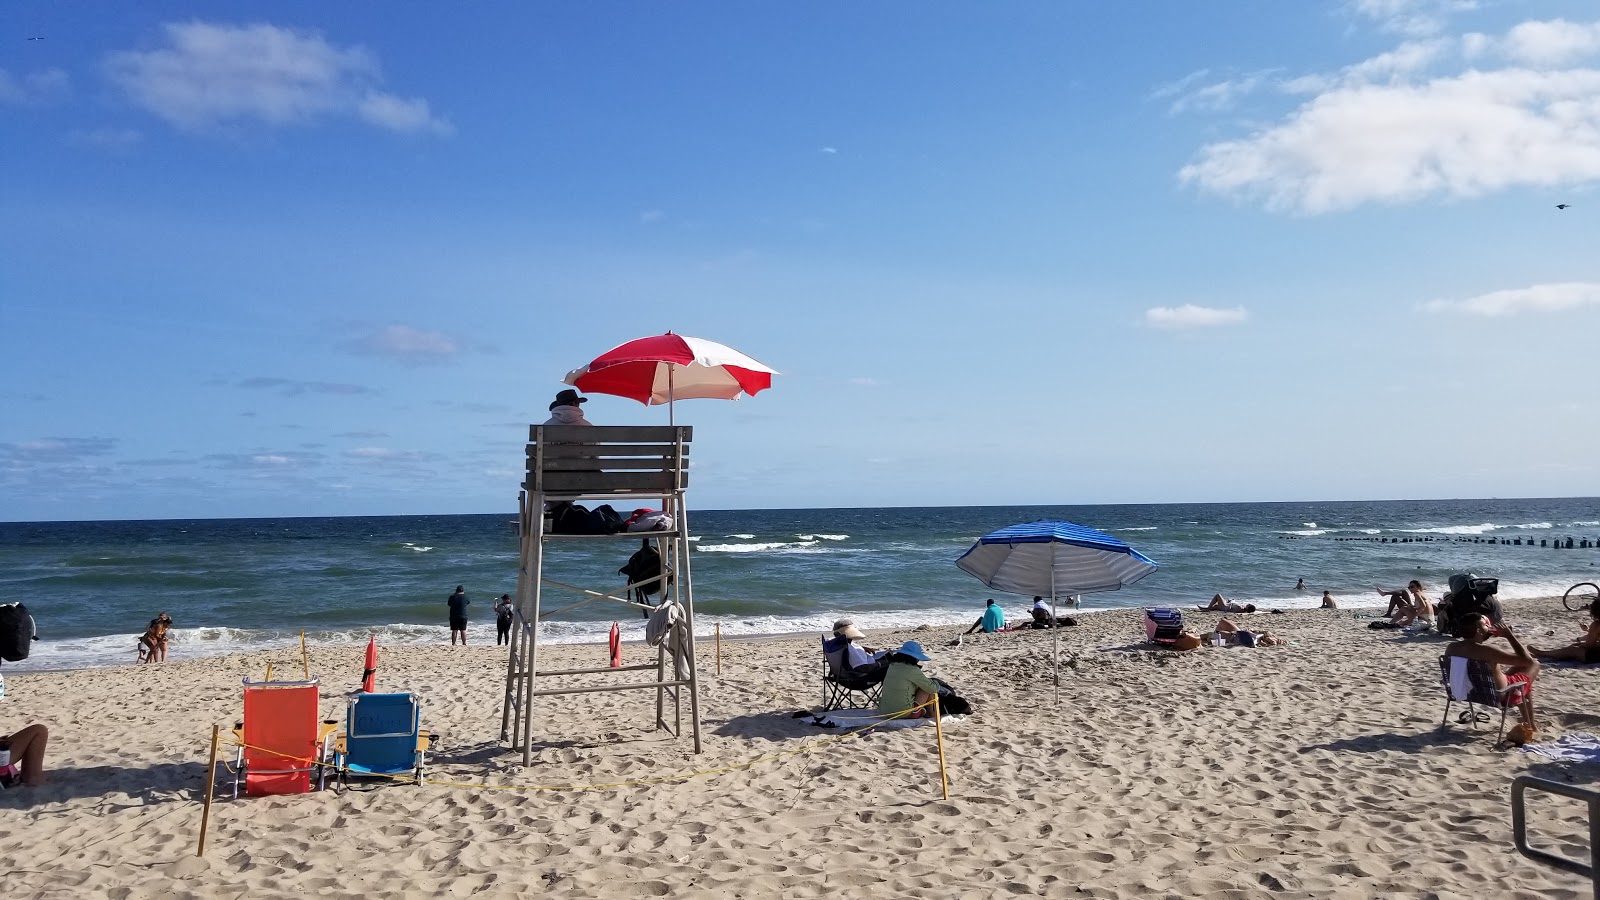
(616, 645)
(369, 678)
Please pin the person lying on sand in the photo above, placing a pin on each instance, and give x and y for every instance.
(1222, 604)
(1585, 649)
(1231, 633)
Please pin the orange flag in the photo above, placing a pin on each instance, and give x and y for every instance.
(369, 678)
(616, 645)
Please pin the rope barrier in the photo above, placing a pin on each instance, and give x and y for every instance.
(813, 745)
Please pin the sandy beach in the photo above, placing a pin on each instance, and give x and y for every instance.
(1312, 770)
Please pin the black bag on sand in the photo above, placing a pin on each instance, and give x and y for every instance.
(951, 703)
(16, 632)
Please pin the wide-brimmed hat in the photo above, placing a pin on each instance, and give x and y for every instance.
(913, 650)
(846, 628)
(568, 397)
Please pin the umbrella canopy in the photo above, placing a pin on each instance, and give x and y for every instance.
(667, 367)
(1054, 559)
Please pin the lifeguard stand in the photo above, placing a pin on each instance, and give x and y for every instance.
(571, 463)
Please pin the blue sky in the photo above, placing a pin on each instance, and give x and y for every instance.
(323, 259)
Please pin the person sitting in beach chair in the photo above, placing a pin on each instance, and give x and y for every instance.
(382, 737)
(1510, 675)
(850, 668)
(1220, 603)
(281, 740)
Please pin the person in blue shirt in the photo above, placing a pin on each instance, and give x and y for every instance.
(992, 620)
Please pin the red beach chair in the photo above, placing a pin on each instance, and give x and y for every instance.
(282, 741)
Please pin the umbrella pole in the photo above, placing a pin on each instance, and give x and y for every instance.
(671, 404)
(1055, 633)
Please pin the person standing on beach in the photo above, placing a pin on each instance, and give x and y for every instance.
(502, 620)
(458, 615)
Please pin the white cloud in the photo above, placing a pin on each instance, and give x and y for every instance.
(1413, 17)
(107, 138)
(210, 74)
(1392, 129)
(1554, 43)
(407, 344)
(1538, 298)
(828, 150)
(33, 88)
(1191, 316)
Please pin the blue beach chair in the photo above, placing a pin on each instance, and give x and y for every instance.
(382, 736)
(1162, 625)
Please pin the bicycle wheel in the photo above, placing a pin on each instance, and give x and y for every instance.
(1581, 596)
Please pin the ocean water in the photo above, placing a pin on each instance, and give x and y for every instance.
(236, 584)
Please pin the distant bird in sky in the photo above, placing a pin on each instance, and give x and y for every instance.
(36, 39)
(1562, 205)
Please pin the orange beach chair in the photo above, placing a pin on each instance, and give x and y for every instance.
(282, 740)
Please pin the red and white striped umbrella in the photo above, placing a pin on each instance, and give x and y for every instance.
(663, 368)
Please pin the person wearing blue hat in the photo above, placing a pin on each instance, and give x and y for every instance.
(905, 685)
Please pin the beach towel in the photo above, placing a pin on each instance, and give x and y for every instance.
(853, 719)
(1568, 748)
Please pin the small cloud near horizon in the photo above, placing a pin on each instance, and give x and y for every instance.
(209, 74)
(1536, 298)
(1187, 316)
(414, 346)
(289, 387)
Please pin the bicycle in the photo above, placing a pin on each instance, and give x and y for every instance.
(1582, 599)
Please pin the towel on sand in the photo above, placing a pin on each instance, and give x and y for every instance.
(851, 719)
(1568, 748)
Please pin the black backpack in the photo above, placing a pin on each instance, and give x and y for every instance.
(645, 563)
(1469, 596)
(16, 632)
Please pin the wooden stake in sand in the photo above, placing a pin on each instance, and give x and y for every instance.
(938, 731)
(269, 673)
(305, 660)
(211, 778)
(719, 648)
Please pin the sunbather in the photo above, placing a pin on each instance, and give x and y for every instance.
(1585, 649)
(1222, 604)
(1231, 633)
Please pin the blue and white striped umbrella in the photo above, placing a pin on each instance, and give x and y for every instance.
(1054, 559)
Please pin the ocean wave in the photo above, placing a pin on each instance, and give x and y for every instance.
(822, 537)
(1307, 532)
(752, 548)
(1309, 524)
(1370, 530)
(1483, 528)
(1139, 528)
(742, 537)
(410, 546)
(1585, 524)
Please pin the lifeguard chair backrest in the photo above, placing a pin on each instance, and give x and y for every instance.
(605, 460)
(381, 730)
(1162, 624)
(280, 736)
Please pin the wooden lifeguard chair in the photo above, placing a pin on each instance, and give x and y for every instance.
(571, 463)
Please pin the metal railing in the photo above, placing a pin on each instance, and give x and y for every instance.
(1519, 826)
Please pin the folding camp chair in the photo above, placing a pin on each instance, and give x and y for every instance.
(1162, 625)
(280, 740)
(839, 685)
(1472, 682)
(382, 736)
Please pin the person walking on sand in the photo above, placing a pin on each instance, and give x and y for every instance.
(458, 603)
(502, 620)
